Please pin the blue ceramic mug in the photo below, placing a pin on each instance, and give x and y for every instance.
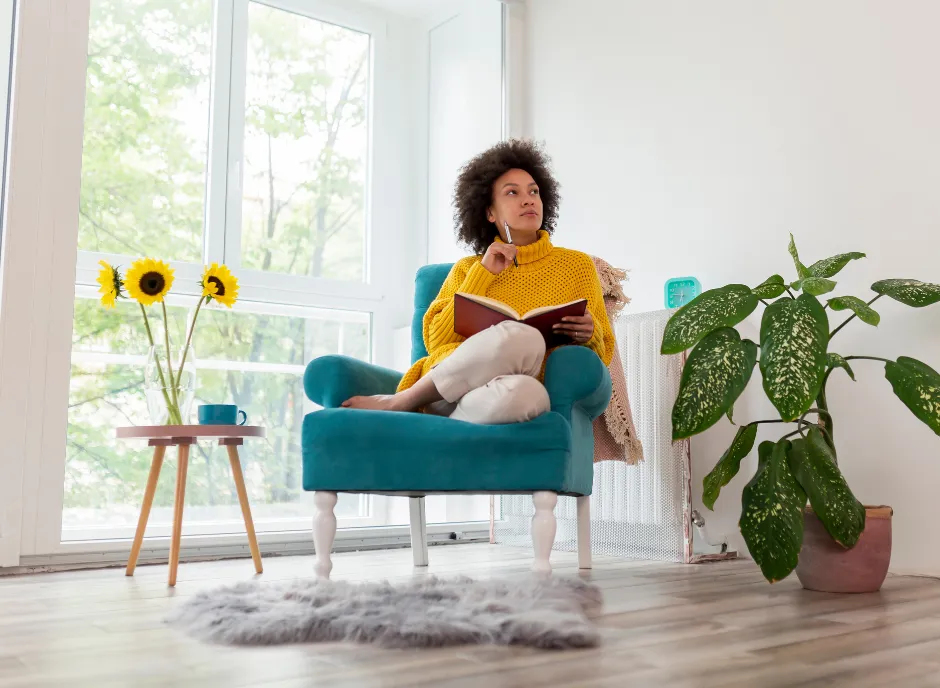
(221, 414)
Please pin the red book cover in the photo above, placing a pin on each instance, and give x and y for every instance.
(474, 314)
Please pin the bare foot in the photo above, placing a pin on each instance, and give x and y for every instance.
(380, 402)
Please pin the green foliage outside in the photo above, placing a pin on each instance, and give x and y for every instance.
(143, 193)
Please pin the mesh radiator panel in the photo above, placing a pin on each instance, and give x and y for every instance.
(637, 512)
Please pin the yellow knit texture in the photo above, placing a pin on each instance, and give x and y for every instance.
(547, 276)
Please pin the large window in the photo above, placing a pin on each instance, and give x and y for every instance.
(146, 128)
(305, 146)
(219, 131)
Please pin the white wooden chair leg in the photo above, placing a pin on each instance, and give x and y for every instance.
(419, 531)
(584, 532)
(543, 530)
(324, 532)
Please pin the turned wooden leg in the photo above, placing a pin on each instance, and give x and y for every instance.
(243, 501)
(419, 531)
(182, 464)
(584, 532)
(324, 532)
(543, 530)
(155, 466)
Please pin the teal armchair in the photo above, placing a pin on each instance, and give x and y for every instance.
(414, 455)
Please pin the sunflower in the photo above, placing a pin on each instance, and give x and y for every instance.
(219, 284)
(112, 286)
(148, 280)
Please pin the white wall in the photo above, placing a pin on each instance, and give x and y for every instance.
(465, 109)
(691, 137)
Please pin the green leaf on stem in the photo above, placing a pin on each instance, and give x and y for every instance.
(764, 451)
(728, 465)
(836, 361)
(816, 286)
(828, 267)
(771, 288)
(865, 313)
(814, 467)
(794, 335)
(715, 308)
(716, 373)
(918, 386)
(772, 514)
(911, 292)
(801, 270)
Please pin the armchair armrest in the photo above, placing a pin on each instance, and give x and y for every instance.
(331, 380)
(576, 378)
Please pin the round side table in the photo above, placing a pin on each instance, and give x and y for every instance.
(182, 437)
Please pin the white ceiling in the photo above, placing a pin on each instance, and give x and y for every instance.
(409, 8)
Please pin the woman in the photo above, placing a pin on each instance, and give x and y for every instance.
(493, 377)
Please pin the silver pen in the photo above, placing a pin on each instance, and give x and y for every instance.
(509, 237)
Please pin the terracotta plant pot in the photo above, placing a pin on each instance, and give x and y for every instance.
(828, 567)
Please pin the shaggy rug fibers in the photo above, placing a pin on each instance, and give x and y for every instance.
(430, 612)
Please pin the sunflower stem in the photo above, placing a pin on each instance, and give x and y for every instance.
(153, 345)
(169, 365)
(189, 339)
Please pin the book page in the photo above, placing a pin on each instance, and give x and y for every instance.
(548, 309)
(497, 306)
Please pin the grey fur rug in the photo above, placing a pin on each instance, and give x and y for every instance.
(544, 613)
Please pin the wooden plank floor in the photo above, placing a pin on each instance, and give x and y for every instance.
(663, 625)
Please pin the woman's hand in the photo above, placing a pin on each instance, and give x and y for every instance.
(498, 257)
(579, 327)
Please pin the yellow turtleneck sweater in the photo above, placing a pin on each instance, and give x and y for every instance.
(546, 276)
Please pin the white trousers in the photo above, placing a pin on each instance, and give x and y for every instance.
(491, 378)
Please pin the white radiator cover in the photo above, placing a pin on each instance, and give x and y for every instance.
(637, 512)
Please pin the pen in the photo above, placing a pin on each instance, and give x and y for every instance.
(509, 237)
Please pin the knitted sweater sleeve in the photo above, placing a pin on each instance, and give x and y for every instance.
(602, 342)
(467, 276)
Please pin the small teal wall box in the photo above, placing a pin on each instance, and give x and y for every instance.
(680, 290)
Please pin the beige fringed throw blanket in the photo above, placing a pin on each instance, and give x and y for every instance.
(615, 436)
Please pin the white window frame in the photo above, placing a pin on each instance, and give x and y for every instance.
(31, 520)
(260, 292)
(41, 272)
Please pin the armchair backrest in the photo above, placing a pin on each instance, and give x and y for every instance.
(428, 281)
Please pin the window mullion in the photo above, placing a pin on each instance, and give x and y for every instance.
(217, 181)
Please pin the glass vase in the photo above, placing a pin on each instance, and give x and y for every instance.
(169, 403)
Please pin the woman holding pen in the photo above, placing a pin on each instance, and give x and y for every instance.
(506, 206)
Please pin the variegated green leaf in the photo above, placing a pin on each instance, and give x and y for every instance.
(911, 292)
(865, 313)
(728, 465)
(794, 335)
(801, 270)
(716, 373)
(815, 469)
(814, 285)
(771, 288)
(772, 515)
(918, 386)
(836, 361)
(724, 307)
(764, 451)
(828, 267)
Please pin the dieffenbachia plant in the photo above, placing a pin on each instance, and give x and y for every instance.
(795, 362)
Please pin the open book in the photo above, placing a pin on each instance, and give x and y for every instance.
(474, 313)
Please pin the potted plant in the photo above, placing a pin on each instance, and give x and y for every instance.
(845, 546)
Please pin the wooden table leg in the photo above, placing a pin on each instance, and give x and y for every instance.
(183, 462)
(155, 466)
(243, 500)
